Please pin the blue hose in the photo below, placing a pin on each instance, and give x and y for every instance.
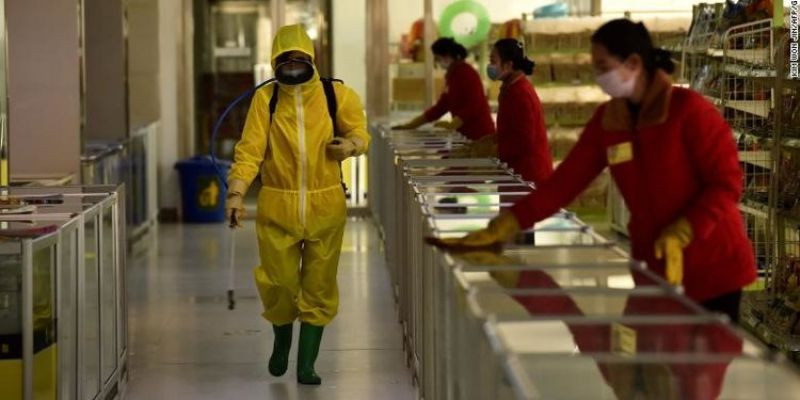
(218, 125)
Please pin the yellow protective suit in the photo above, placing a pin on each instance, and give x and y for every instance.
(301, 206)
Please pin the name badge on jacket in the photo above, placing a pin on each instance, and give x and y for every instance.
(619, 153)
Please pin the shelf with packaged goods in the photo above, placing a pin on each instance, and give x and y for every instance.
(793, 143)
(714, 100)
(704, 51)
(764, 142)
(760, 108)
(753, 57)
(761, 158)
(748, 71)
(790, 217)
(754, 208)
(762, 329)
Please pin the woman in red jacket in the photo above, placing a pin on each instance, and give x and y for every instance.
(521, 133)
(463, 95)
(676, 163)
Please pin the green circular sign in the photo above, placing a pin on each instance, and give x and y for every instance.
(475, 36)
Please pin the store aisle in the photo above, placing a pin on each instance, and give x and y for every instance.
(186, 344)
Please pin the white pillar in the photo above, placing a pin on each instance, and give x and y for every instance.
(430, 35)
(44, 88)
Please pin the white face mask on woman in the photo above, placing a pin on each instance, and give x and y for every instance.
(614, 83)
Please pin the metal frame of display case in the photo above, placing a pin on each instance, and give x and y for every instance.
(130, 162)
(102, 210)
(460, 343)
(437, 307)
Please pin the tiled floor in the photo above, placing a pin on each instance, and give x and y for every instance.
(186, 344)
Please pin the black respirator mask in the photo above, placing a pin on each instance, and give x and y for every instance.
(294, 72)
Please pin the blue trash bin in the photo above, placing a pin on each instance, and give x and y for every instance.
(202, 190)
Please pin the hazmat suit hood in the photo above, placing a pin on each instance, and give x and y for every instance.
(294, 38)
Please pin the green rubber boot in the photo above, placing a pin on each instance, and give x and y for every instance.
(310, 337)
(279, 361)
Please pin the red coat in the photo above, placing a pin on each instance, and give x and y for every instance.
(464, 98)
(521, 132)
(683, 163)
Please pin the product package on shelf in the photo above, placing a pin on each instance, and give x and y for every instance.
(745, 11)
(784, 311)
(789, 195)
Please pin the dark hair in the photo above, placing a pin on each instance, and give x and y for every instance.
(514, 51)
(622, 38)
(449, 47)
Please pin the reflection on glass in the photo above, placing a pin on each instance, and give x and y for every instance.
(67, 327)
(108, 297)
(685, 356)
(11, 310)
(510, 274)
(4, 139)
(685, 377)
(91, 316)
(44, 333)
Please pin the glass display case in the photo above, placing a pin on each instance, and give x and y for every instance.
(28, 313)
(426, 277)
(488, 324)
(86, 225)
(470, 286)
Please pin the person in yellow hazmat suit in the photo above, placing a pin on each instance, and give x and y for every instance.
(301, 206)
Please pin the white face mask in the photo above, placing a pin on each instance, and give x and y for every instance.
(444, 65)
(615, 85)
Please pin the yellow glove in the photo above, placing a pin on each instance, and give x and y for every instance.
(342, 148)
(450, 125)
(485, 147)
(234, 202)
(671, 243)
(500, 230)
(413, 124)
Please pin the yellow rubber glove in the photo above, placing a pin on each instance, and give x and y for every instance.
(341, 148)
(413, 124)
(234, 202)
(674, 238)
(450, 125)
(500, 230)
